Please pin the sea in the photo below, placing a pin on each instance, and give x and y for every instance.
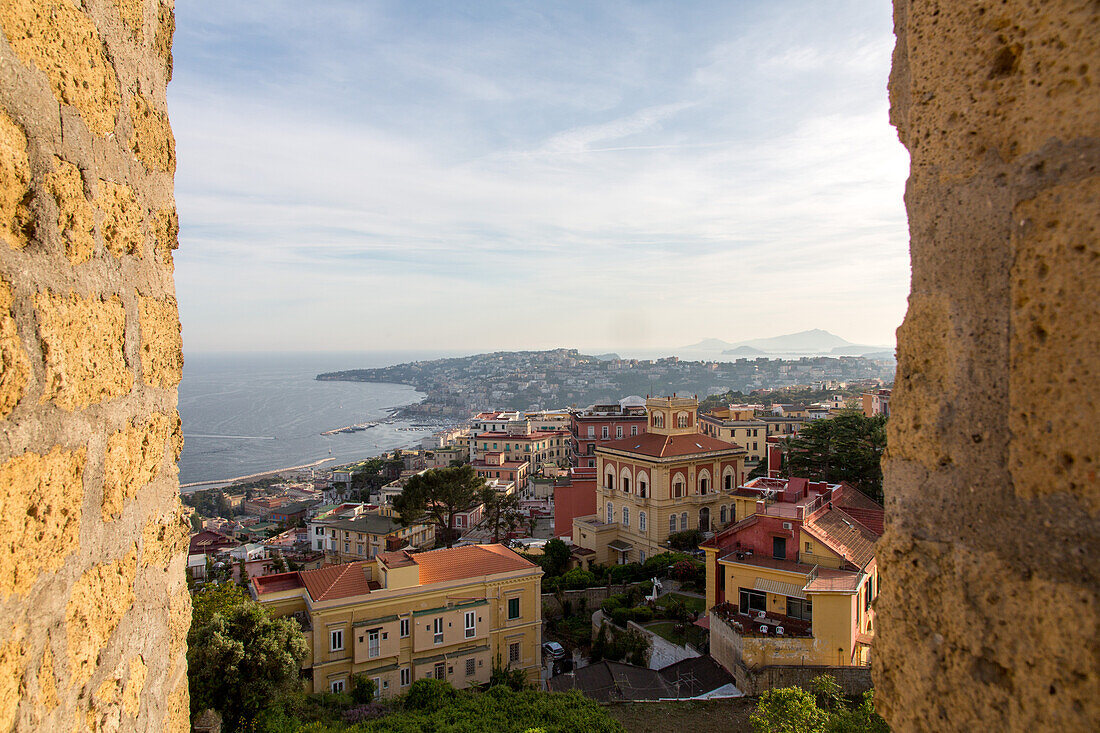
(248, 413)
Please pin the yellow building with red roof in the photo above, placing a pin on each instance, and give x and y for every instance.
(668, 479)
(447, 614)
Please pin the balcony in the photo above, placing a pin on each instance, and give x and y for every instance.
(750, 624)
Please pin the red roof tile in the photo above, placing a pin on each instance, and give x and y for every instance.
(666, 446)
(471, 561)
(337, 581)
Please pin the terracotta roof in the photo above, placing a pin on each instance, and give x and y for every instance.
(844, 535)
(872, 519)
(471, 561)
(210, 541)
(277, 582)
(666, 446)
(337, 581)
(399, 559)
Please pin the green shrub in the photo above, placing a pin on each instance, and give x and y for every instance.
(429, 695)
(620, 616)
(362, 689)
(686, 540)
(641, 614)
(576, 579)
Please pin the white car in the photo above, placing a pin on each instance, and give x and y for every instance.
(554, 649)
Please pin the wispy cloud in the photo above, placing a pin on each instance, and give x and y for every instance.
(574, 176)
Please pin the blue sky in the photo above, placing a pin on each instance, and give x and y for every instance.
(375, 175)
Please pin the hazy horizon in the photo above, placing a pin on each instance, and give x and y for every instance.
(505, 176)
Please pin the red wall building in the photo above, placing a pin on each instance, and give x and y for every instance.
(603, 424)
(577, 498)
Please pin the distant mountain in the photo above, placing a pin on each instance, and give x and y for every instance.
(744, 351)
(709, 345)
(608, 357)
(815, 340)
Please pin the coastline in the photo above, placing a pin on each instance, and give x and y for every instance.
(194, 486)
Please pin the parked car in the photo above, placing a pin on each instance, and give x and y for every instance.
(554, 649)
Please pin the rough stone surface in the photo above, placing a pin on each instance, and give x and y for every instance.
(83, 347)
(99, 600)
(92, 591)
(152, 140)
(989, 613)
(60, 40)
(162, 343)
(15, 367)
(75, 215)
(122, 218)
(15, 191)
(134, 457)
(40, 499)
(166, 228)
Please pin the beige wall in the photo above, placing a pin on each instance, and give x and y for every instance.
(92, 569)
(990, 603)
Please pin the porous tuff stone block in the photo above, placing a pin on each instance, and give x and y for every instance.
(988, 615)
(92, 588)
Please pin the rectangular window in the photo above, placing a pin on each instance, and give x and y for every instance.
(437, 630)
(374, 643)
(513, 608)
(809, 547)
(337, 641)
(385, 684)
(779, 548)
(440, 671)
(800, 609)
(336, 686)
(603, 432)
(513, 652)
(346, 547)
(591, 431)
(618, 431)
(358, 549)
(633, 430)
(471, 629)
(626, 516)
(471, 666)
(406, 676)
(751, 601)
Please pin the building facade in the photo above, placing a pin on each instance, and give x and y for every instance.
(740, 426)
(602, 424)
(792, 582)
(446, 614)
(670, 479)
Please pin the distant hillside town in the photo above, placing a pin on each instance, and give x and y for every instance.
(536, 380)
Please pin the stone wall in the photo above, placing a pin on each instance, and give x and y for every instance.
(988, 617)
(91, 557)
(593, 597)
(728, 648)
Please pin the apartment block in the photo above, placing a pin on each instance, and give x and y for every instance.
(445, 614)
(602, 424)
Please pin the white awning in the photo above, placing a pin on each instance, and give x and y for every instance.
(779, 588)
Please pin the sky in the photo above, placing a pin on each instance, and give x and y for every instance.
(524, 175)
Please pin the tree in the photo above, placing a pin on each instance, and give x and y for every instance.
(555, 557)
(362, 689)
(788, 710)
(500, 513)
(822, 709)
(241, 660)
(436, 496)
(847, 447)
(215, 598)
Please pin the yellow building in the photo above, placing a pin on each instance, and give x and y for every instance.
(792, 582)
(740, 426)
(518, 442)
(445, 614)
(669, 479)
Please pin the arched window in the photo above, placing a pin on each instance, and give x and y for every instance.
(722, 514)
(641, 521)
(610, 513)
(678, 488)
(624, 479)
(642, 485)
(727, 482)
(672, 524)
(683, 521)
(658, 419)
(626, 516)
(682, 420)
(610, 486)
(704, 481)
